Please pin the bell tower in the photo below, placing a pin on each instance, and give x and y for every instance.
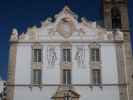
(115, 16)
(115, 13)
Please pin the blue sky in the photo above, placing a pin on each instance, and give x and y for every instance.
(21, 14)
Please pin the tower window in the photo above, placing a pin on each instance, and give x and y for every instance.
(67, 55)
(116, 18)
(67, 77)
(37, 75)
(95, 54)
(96, 76)
(37, 55)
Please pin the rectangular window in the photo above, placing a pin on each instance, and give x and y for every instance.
(96, 76)
(37, 75)
(67, 55)
(95, 54)
(37, 55)
(67, 77)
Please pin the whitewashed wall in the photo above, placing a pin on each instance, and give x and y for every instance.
(80, 74)
(25, 93)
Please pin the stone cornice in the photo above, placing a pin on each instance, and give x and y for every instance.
(111, 84)
(31, 42)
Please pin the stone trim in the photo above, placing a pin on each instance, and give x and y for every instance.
(97, 64)
(65, 45)
(128, 60)
(104, 85)
(64, 66)
(97, 46)
(37, 46)
(94, 45)
(35, 65)
(73, 41)
(121, 71)
(11, 70)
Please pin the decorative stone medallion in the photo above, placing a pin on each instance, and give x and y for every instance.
(65, 27)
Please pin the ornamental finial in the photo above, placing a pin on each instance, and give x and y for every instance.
(14, 36)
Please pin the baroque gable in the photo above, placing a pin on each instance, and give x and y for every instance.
(66, 27)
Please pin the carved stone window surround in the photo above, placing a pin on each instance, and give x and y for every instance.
(36, 65)
(37, 46)
(95, 46)
(95, 65)
(66, 45)
(66, 66)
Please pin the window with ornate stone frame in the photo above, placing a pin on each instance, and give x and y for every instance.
(37, 54)
(96, 76)
(37, 76)
(36, 63)
(66, 53)
(67, 77)
(95, 63)
(95, 54)
(66, 67)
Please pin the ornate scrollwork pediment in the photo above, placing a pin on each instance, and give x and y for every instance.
(66, 27)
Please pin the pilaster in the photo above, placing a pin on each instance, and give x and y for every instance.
(11, 71)
(121, 71)
(128, 59)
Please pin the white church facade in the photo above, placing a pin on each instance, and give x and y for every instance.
(67, 59)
